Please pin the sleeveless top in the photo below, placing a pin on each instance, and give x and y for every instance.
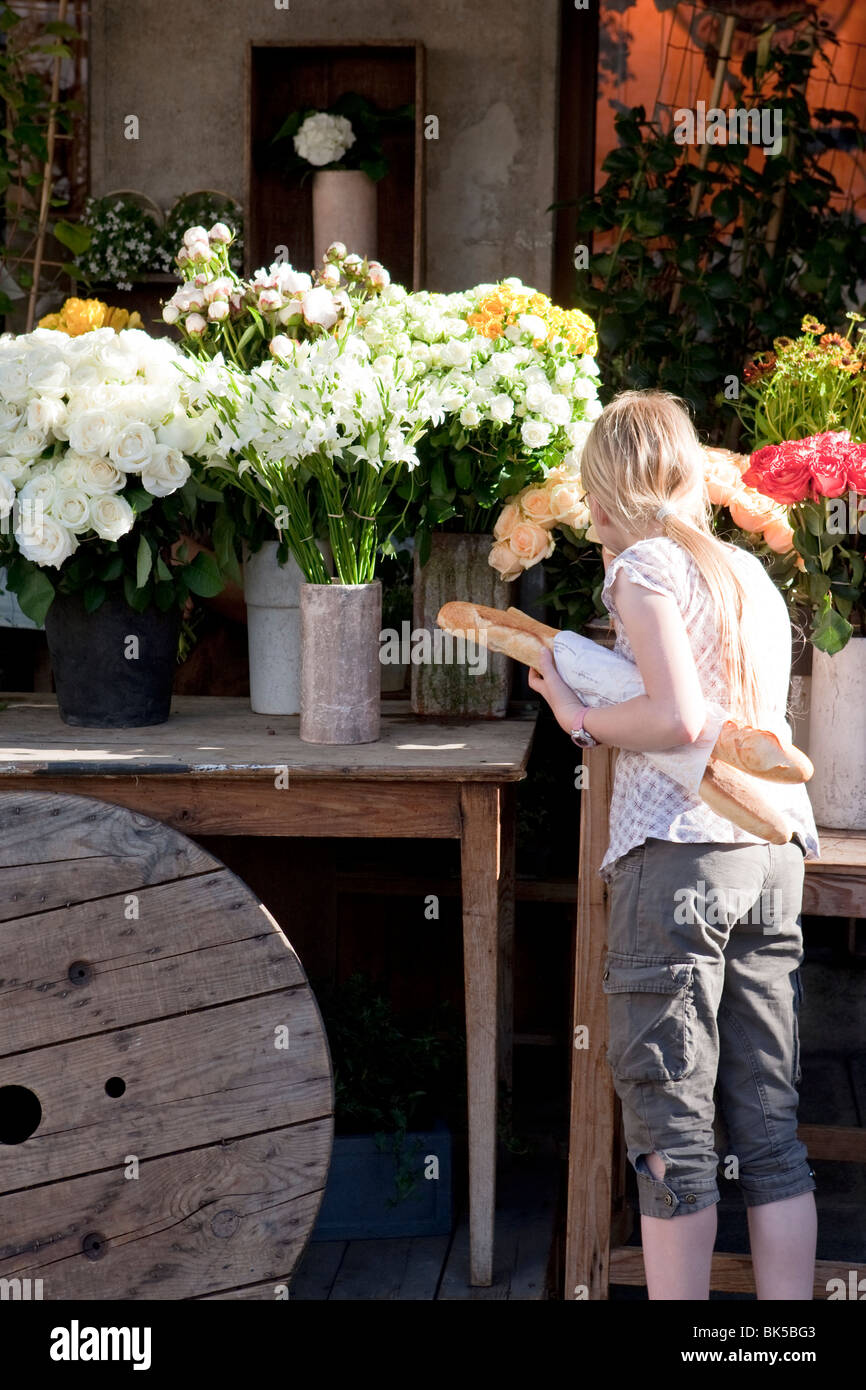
(645, 801)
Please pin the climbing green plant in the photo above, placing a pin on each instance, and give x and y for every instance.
(682, 298)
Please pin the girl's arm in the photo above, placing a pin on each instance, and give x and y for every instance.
(673, 710)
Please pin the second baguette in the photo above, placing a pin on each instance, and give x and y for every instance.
(732, 794)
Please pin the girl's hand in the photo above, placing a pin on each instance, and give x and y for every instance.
(548, 683)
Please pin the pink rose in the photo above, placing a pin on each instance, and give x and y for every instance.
(506, 521)
(503, 559)
(536, 505)
(531, 543)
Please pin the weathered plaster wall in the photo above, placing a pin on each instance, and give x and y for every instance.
(491, 80)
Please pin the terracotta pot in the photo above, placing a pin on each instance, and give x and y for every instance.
(340, 671)
(344, 209)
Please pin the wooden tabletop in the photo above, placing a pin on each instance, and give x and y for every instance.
(219, 737)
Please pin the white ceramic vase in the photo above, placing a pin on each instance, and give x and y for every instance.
(273, 598)
(344, 209)
(837, 737)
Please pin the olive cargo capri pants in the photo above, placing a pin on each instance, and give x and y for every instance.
(703, 991)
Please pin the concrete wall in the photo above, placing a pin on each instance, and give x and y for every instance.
(491, 80)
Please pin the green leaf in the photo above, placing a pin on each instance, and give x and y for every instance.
(203, 576)
(112, 569)
(74, 235)
(290, 126)
(93, 595)
(831, 633)
(35, 594)
(137, 598)
(143, 562)
(162, 570)
(725, 206)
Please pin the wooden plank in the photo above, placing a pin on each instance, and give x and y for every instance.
(190, 1081)
(729, 1273)
(838, 1143)
(831, 893)
(505, 911)
(842, 849)
(591, 1134)
(219, 736)
(213, 1216)
(315, 1274)
(235, 806)
(525, 1237)
(203, 941)
(389, 1270)
(480, 867)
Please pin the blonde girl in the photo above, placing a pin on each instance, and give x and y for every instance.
(702, 971)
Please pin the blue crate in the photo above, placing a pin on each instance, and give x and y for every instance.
(361, 1181)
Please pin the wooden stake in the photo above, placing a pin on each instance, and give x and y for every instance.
(47, 181)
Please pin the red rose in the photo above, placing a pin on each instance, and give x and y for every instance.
(829, 464)
(857, 467)
(780, 471)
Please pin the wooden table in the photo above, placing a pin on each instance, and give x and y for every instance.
(598, 1221)
(217, 769)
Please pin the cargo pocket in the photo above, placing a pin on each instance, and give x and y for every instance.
(796, 1071)
(650, 1010)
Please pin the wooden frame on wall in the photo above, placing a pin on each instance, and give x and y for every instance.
(401, 77)
(575, 154)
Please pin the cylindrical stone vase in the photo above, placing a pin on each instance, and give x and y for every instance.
(837, 737)
(344, 209)
(273, 597)
(340, 670)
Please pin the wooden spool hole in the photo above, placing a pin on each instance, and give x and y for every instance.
(20, 1113)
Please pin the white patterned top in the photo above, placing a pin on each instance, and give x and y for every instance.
(645, 801)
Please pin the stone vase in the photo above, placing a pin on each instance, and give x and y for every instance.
(344, 209)
(457, 569)
(837, 737)
(340, 672)
(273, 597)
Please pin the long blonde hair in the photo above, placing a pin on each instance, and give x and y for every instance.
(643, 451)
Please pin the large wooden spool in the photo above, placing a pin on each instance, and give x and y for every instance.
(165, 1085)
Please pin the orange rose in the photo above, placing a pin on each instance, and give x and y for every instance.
(779, 535)
(750, 510)
(535, 503)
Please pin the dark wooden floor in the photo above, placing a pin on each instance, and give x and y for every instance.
(437, 1267)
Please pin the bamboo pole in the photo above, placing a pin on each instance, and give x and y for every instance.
(47, 181)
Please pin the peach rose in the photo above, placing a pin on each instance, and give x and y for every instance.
(503, 559)
(721, 475)
(779, 535)
(531, 543)
(566, 500)
(750, 510)
(506, 521)
(536, 505)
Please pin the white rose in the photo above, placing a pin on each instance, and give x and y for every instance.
(324, 139)
(589, 366)
(469, 417)
(593, 409)
(45, 413)
(534, 433)
(28, 442)
(456, 353)
(502, 408)
(111, 517)
(13, 468)
(99, 476)
(565, 373)
(167, 471)
(90, 432)
(14, 382)
(71, 508)
(133, 448)
(584, 389)
(43, 540)
(7, 496)
(39, 490)
(537, 395)
(532, 324)
(557, 410)
(320, 307)
(50, 378)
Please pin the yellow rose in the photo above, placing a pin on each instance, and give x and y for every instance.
(531, 543)
(506, 521)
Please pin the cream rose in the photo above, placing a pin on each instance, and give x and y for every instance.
(566, 500)
(90, 432)
(7, 496)
(535, 433)
(71, 507)
(501, 408)
(111, 517)
(531, 543)
(13, 468)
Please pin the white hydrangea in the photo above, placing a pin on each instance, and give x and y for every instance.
(324, 139)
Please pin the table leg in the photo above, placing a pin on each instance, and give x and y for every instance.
(591, 1125)
(481, 876)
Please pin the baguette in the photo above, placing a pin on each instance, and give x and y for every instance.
(761, 754)
(732, 794)
(498, 630)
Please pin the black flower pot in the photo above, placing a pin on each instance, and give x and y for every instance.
(113, 669)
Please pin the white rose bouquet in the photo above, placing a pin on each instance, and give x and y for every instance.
(318, 437)
(511, 382)
(96, 483)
